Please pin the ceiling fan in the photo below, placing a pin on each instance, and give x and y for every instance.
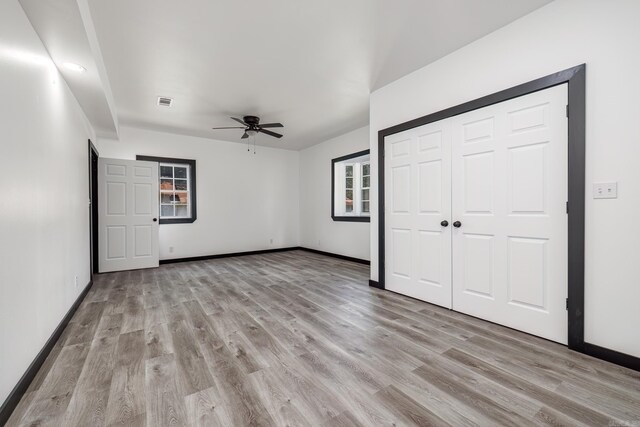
(251, 126)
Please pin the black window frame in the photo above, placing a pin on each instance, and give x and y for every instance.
(192, 187)
(346, 218)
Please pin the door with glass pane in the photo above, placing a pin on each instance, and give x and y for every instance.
(128, 214)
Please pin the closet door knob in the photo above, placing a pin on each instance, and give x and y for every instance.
(444, 223)
(457, 224)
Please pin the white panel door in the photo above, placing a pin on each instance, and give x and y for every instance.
(128, 214)
(509, 193)
(418, 199)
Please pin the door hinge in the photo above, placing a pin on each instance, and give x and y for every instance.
(567, 303)
(567, 110)
(567, 207)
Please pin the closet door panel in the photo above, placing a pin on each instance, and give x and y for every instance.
(509, 193)
(418, 200)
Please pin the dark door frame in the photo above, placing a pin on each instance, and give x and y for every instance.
(575, 78)
(93, 210)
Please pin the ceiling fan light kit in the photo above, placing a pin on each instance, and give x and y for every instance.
(252, 126)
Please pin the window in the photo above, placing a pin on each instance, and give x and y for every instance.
(351, 182)
(348, 185)
(177, 196)
(174, 191)
(366, 180)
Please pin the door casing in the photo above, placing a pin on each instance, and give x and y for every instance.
(93, 209)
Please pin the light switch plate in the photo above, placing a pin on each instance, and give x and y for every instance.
(607, 190)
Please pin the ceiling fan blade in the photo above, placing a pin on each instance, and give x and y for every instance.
(272, 125)
(234, 127)
(239, 121)
(268, 132)
(245, 136)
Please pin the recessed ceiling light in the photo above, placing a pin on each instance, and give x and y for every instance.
(74, 67)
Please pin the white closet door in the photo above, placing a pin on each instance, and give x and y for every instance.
(128, 214)
(418, 189)
(509, 169)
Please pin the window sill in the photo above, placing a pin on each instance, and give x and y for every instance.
(351, 218)
(177, 221)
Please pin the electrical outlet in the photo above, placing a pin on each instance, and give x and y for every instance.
(271, 241)
(607, 190)
(75, 282)
(170, 249)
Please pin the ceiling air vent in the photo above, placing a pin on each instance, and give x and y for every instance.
(164, 101)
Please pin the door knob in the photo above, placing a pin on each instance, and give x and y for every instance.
(155, 219)
(457, 224)
(444, 223)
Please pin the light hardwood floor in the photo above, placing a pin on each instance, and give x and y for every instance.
(295, 338)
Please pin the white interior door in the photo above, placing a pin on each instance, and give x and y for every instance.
(418, 189)
(128, 214)
(509, 186)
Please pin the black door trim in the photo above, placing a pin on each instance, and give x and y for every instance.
(575, 77)
(93, 211)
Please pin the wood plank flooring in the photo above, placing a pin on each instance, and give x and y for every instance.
(296, 338)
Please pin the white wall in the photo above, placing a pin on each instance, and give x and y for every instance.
(565, 33)
(317, 229)
(44, 213)
(244, 199)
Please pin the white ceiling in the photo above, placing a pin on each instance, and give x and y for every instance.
(65, 29)
(308, 64)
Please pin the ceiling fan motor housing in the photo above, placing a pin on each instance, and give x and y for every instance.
(251, 120)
